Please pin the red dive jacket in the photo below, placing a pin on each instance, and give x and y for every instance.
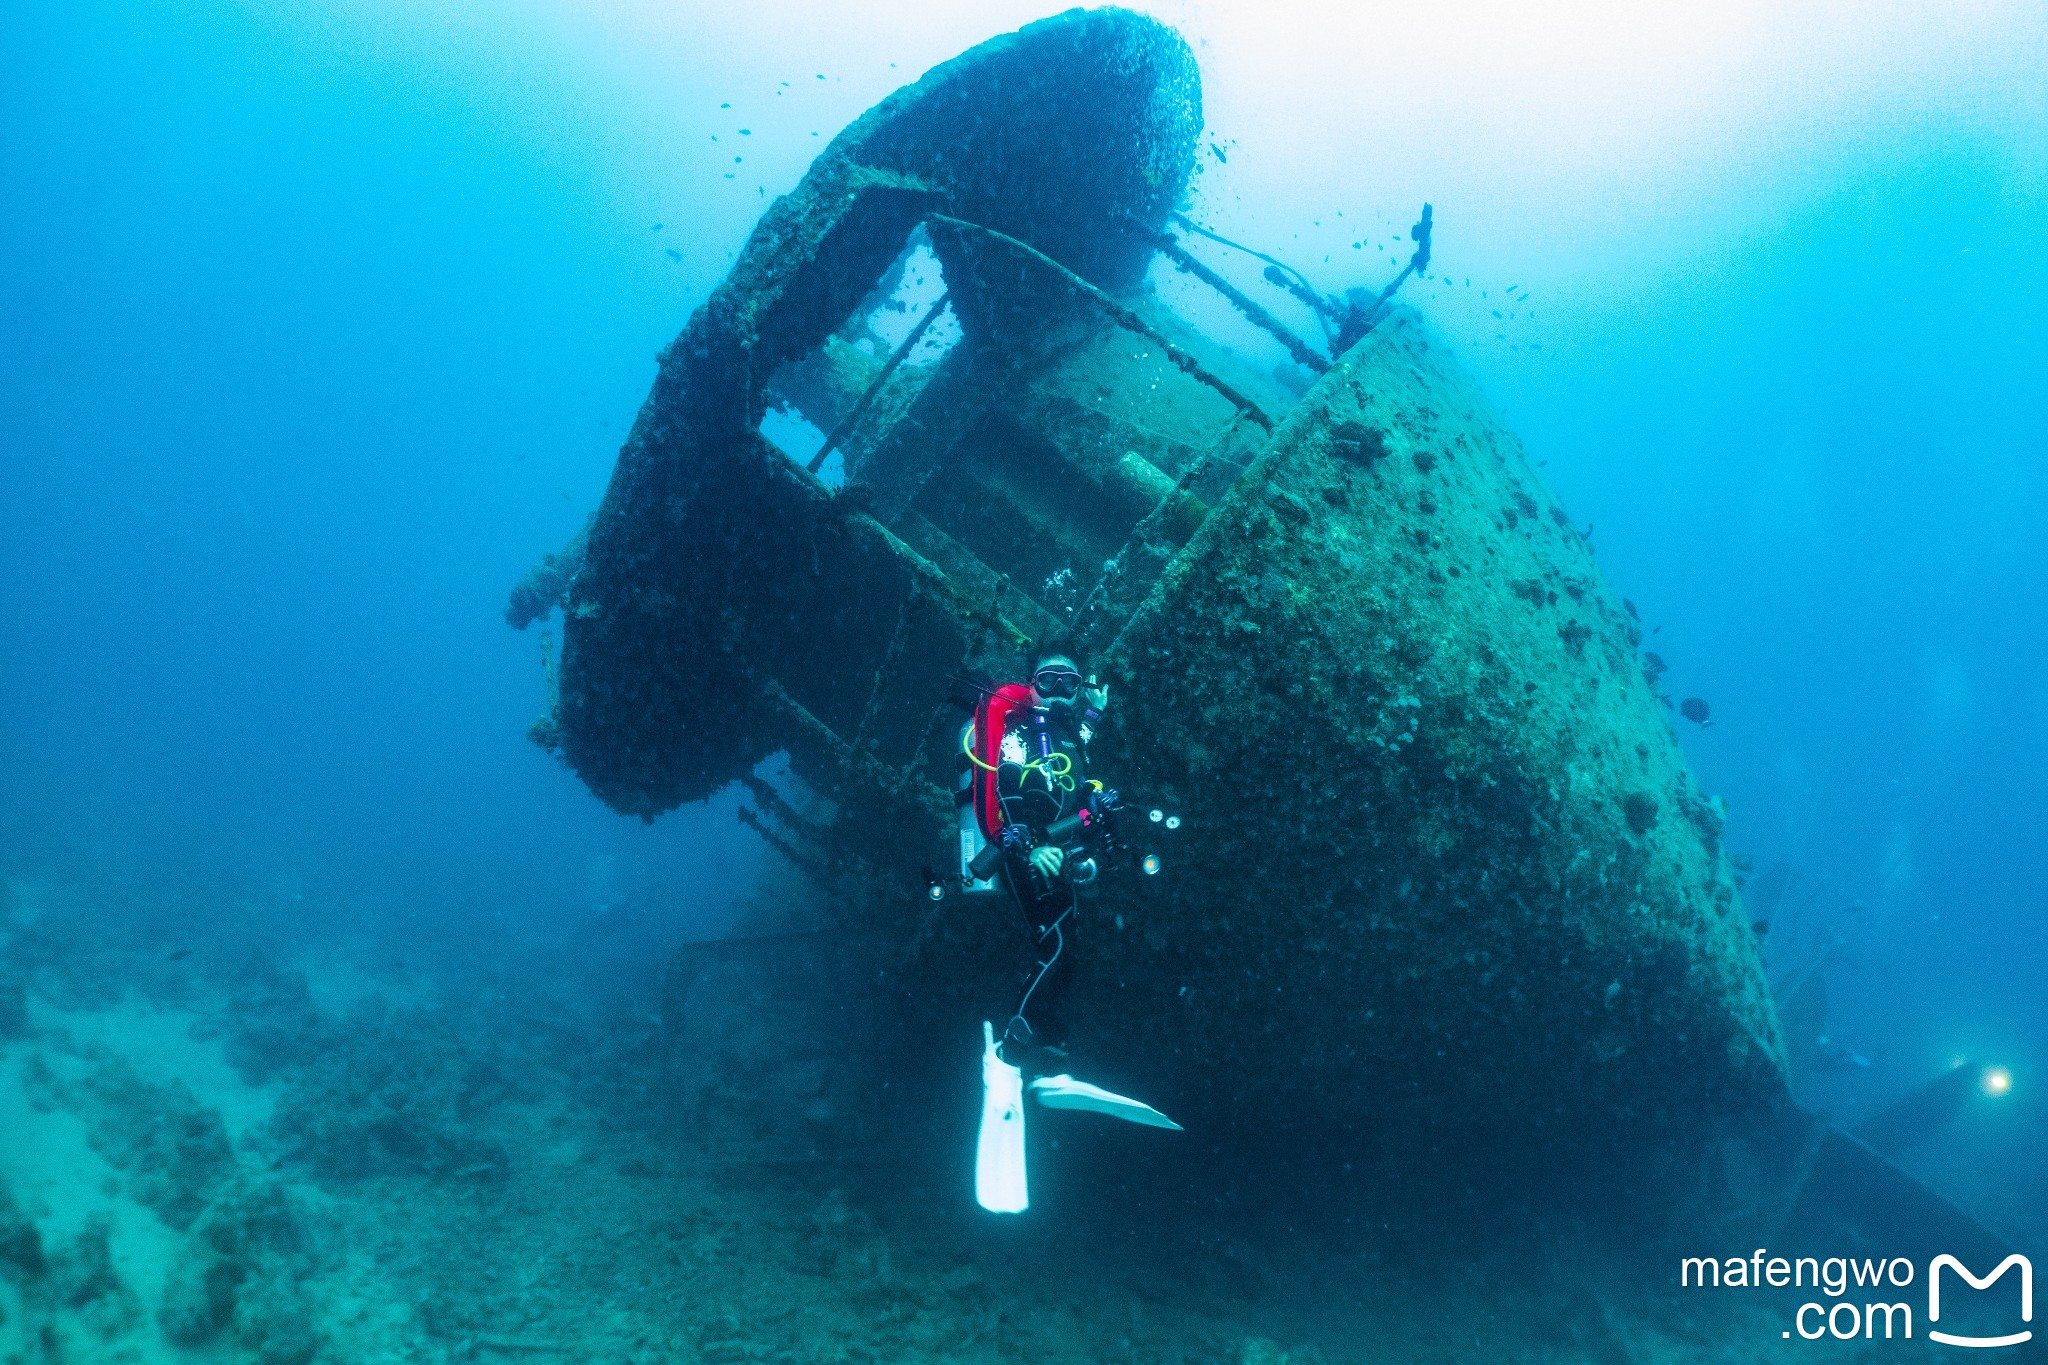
(991, 723)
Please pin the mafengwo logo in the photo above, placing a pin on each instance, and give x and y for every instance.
(1945, 1262)
(1867, 1315)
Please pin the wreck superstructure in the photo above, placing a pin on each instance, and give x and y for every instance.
(1441, 866)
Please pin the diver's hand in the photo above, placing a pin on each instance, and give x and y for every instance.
(1047, 859)
(1095, 697)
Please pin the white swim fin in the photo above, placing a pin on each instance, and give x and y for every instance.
(999, 1184)
(1064, 1092)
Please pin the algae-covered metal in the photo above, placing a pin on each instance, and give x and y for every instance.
(725, 596)
(1440, 859)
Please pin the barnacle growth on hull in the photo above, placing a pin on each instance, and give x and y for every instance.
(1443, 881)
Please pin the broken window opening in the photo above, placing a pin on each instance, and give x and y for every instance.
(914, 286)
(796, 436)
(829, 407)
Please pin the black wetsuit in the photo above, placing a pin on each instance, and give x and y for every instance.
(1036, 794)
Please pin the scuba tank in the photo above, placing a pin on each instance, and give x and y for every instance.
(980, 860)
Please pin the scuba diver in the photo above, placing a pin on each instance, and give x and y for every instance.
(1043, 804)
(1034, 822)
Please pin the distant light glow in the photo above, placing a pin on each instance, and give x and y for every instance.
(1151, 864)
(1995, 1081)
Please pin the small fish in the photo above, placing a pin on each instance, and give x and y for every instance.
(1219, 153)
(179, 955)
(1830, 1055)
(655, 228)
(1630, 608)
(1695, 709)
(673, 254)
(1760, 927)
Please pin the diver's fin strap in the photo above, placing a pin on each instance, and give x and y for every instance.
(1064, 1092)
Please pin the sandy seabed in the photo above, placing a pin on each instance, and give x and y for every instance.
(220, 1145)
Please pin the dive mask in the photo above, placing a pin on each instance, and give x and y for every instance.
(1057, 684)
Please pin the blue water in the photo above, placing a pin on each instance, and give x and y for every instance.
(319, 324)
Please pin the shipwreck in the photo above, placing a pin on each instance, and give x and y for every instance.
(1442, 888)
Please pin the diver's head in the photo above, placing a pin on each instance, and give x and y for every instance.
(1055, 678)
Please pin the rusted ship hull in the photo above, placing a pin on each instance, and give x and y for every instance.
(1442, 872)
